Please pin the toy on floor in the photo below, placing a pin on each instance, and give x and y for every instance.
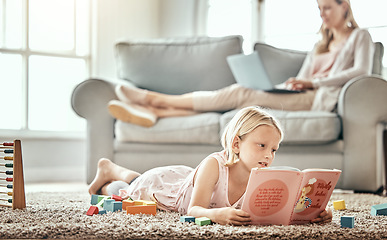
(380, 209)
(348, 221)
(11, 175)
(203, 221)
(102, 204)
(187, 219)
(140, 207)
(339, 205)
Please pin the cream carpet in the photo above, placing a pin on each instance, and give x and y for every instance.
(62, 214)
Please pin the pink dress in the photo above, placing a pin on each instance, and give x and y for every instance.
(171, 187)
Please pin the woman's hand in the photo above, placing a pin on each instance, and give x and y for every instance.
(296, 84)
(231, 216)
(324, 217)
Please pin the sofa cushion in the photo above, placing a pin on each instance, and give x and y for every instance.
(178, 65)
(302, 127)
(280, 64)
(196, 129)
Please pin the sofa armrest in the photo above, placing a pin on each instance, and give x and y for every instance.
(89, 100)
(361, 106)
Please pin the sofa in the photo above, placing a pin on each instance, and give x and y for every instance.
(346, 139)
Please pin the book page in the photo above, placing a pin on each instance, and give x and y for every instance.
(270, 196)
(316, 189)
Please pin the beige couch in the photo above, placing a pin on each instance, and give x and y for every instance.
(346, 140)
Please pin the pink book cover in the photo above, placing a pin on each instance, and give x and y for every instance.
(283, 195)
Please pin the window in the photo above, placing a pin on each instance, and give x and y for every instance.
(291, 24)
(287, 24)
(231, 17)
(295, 23)
(44, 46)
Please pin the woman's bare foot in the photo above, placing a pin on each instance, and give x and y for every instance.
(132, 113)
(107, 172)
(128, 94)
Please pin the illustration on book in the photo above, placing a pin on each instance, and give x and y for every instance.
(287, 195)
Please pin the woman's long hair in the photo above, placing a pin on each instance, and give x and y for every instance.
(327, 35)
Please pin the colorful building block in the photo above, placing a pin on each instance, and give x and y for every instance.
(348, 221)
(380, 209)
(144, 202)
(127, 203)
(94, 199)
(101, 201)
(339, 205)
(117, 198)
(92, 210)
(103, 211)
(112, 205)
(203, 221)
(187, 219)
(141, 209)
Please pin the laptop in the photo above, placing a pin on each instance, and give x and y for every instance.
(249, 72)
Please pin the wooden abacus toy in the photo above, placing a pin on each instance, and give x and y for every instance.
(11, 175)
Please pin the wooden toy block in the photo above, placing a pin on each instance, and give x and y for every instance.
(103, 211)
(149, 203)
(94, 199)
(138, 202)
(101, 201)
(187, 219)
(203, 221)
(380, 209)
(127, 203)
(144, 202)
(339, 205)
(92, 210)
(141, 209)
(111, 205)
(108, 204)
(117, 198)
(348, 221)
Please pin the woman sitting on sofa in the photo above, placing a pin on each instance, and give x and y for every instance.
(344, 52)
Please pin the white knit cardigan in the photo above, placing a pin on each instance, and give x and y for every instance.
(355, 59)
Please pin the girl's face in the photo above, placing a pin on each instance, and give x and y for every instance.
(257, 148)
(332, 13)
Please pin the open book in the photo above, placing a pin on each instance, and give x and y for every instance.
(285, 195)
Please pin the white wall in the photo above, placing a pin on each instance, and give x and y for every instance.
(52, 159)
(126, 19)
(117, 19)
(49, 158)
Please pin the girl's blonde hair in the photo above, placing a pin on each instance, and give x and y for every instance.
(327, 34)
(244, 122)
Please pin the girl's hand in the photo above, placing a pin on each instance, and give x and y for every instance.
(296, 84)
(324, 217)
(231, 216)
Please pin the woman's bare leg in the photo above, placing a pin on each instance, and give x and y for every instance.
(108, 172)
(171, 112)
(155, 99)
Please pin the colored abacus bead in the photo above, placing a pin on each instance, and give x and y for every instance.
(8, 179)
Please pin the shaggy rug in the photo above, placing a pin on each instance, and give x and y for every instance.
(63, 215)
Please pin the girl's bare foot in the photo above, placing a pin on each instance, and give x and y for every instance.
(102, 177)
(107, 172)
